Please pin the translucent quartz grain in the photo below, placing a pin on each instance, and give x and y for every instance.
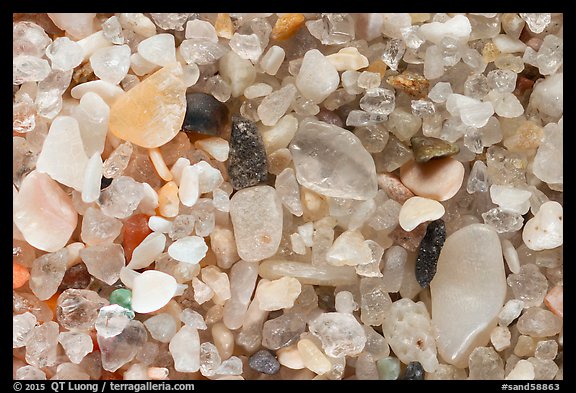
(121, 349)
(306, 273)
(243, 277)
(47, 273)
(256, 214)
(104, 261)
(151, 113)
(341, 334)
(42, 346)
(332, 161)
(470, 282)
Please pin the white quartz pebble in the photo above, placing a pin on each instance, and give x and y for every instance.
(417, 210)
(92, 43)
(458, 27)
(507, 44)
(275, 105)
(511, 256)
(306, 231)
(408, 330)
(318, 77)
(159, 224)
(256, 214)
(138, 23)
(159, 49)
(189, 190)
(147, 251)
(278, 294)
(185, 349)
(510, 198)
(92, 115)
(524, 370)
(111, 64)
(200, 30)
(209, 178)
(257, 90)
(189, 249)
(272, 60)
(193, 319)
(64, 54)
(92, 178)
(140, 66)
(44, 213)
(177, 169)
(152, 290)
(64, 140)
(77, 25)
(349, 249)
(106, 90)
(470, 282)
(238, 72)
(544, 231)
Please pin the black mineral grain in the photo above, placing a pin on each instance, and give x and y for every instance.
(264, 361)
(205, 114)
(414, 372)
(429, 251)
(247, 165)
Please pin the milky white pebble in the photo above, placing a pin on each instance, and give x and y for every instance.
(152, 290)
(189, 249)
(159, 224)
(92, 178)
(147, 251)
(189, 189)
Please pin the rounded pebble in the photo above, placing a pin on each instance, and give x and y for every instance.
(544, 231)
(189, 249)
(438, 179)
(152, 290)
(417, 210)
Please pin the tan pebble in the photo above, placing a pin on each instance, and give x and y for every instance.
(527, 138)
(223, 340)
(168, 201)
(290, 357)
(224, 27)
(279, 160)
(313, 357)
(554, 300)
(315, 207)
(287, 25)
(411, 83)
(419, 17)
(438, 179)
(490, 52)
(394, 188)
(378, 66)
(348, 59)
